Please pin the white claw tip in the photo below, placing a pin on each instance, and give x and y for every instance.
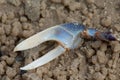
(22, 68)
(15, 49)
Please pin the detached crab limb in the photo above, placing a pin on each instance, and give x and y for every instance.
(67, 35)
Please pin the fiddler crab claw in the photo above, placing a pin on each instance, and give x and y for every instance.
(68, 36)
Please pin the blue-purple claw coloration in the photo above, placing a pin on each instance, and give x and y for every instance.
(77, 28)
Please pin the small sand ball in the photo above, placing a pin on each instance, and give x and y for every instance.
(3, 63)
(117, 26)
(98, 76)
(106, 21)
(96, 44)
(75, 5)
(23, 19)
(117, 48)
(16, 65)
(11, 72)
(101, 57)
(28, 60)
(7, 29)
(66, 2)
(3, 39)
(94, 60)
(28, 33)
(89, 52)
(2, 31)
(10, 60)
(16, 28)
(10, 15)
(91, 69)
(103, 47)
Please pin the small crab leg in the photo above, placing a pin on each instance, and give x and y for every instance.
(45, 59)
(105, 36)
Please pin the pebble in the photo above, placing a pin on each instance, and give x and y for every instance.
(2, 31)
(101, 57)
(10, 72)
(96, 44)
(89, 52)
(91, 69)
(66, 2)
(32, 9)
(117, 26)
(26, 26)
(28, 60)
(106, 21)
(90, 1)
(75, 5)
(10, 15)
(15, 2)
(103, 47)
(94, 60)
(10, 60)
(3, 39)
(28, 33)
(98, 76)
(117, 47)
(90, 15)
(115, 58)
(23, 19)
(16, 65)
(7, 29)
(16, 30)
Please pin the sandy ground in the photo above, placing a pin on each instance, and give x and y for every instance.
(94, 60)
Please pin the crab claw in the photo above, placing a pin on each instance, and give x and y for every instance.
(45, 59)
(65, 34)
